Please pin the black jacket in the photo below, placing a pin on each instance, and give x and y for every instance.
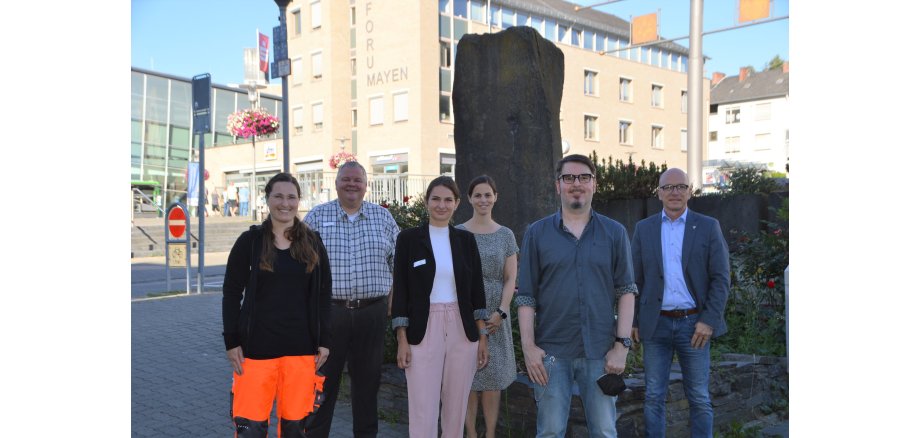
(412, 284)
(242, 265)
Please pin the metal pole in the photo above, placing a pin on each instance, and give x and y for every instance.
(252, 185)
(201, 214)
(695, 97)
(285, 97)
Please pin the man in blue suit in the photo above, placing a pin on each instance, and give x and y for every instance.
(680, 260)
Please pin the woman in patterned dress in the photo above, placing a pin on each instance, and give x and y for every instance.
(498, 251)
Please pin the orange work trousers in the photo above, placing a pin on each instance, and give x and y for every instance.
(289, 379)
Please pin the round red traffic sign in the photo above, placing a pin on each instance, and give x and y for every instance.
(176, 222)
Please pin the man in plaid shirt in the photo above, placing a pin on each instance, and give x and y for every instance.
(360, 238)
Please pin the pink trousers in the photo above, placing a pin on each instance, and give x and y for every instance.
(442, 370)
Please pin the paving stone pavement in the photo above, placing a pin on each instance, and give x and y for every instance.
(180, 379)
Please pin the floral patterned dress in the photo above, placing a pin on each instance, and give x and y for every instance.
(494, 248)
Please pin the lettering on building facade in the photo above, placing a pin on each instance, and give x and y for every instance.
(379, 77)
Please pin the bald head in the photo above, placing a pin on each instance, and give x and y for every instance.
(673, 174)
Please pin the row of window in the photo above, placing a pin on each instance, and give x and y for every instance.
(626, 91)
(733, 143)
(625, 135)
(557, 32)
(400, 102)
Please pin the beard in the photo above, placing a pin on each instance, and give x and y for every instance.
(576, 205)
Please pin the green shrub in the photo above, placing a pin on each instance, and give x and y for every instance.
(750, 180)
(619, 180)
(755, 311)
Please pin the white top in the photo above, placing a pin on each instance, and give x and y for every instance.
(444, 289)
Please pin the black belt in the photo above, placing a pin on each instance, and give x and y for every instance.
(357, 303)
(679, 313)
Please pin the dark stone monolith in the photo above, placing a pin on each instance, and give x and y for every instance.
(507, 92)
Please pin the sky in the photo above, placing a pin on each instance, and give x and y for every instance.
(189, 37)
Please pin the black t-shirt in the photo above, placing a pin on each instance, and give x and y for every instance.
(280, 324)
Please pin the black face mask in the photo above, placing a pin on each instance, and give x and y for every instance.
(611, 384)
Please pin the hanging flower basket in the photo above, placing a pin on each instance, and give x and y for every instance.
(249, 122)
(340, 158)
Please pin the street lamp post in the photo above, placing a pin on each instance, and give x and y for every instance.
(286, 136)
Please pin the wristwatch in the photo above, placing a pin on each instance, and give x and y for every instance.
(625, 341)
(501, 313)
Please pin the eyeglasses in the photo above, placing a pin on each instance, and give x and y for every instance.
(570, 179)
(681, 188)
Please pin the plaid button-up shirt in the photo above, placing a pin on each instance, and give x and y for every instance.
(360, 252)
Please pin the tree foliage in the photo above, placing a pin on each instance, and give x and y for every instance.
(775, 64)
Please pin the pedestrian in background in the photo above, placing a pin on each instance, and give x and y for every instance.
(276, 316)
(439, 314)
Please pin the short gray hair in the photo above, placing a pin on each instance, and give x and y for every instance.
(349, 165)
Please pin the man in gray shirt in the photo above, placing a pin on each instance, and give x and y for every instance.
(576, 281)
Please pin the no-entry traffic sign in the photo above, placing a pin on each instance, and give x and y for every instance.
(176, 222)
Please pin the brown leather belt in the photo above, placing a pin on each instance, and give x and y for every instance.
(679, 313)
(357, 303)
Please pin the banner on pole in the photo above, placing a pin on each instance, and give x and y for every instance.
(750, 10)
(193, 184)
(263, 53)
(644, 29)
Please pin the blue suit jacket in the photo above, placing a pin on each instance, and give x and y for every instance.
(705, 264)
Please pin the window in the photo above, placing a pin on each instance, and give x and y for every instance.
(732, 145)
(318, 116)
(657, 137)
(762, 142)
(590, 83)
(477, 11)
(657, 96)
(444, 107)
(625, 90)
(537, 23)
(353, 16)
(590, 127)
(589, 40)
(376, 109)
(354, 67)
(625, 132)
(317, 62)
(713, 135)
(354, 117)
(683, 140)
(561, 32)
(732, 115)
(401, 106)
(762, 111)
(316, 14)
(444, 6)
(683, 101)
(297, 118)
(295, 21)
(445, 54)
(576, 37)
(507, 18)
(297, 70)
(460, 9)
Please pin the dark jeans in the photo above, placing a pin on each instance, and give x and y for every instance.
(357, 339)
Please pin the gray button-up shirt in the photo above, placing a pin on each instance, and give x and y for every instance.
(575, 284)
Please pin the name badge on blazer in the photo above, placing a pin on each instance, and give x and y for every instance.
(418, 263)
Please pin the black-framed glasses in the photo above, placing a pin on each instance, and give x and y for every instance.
(681, 188)
(569, 178)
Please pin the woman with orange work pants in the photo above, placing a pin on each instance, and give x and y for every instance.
(277, 333)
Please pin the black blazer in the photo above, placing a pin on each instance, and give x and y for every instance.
(412, 284)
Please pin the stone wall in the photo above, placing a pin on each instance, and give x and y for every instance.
(739, 386)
